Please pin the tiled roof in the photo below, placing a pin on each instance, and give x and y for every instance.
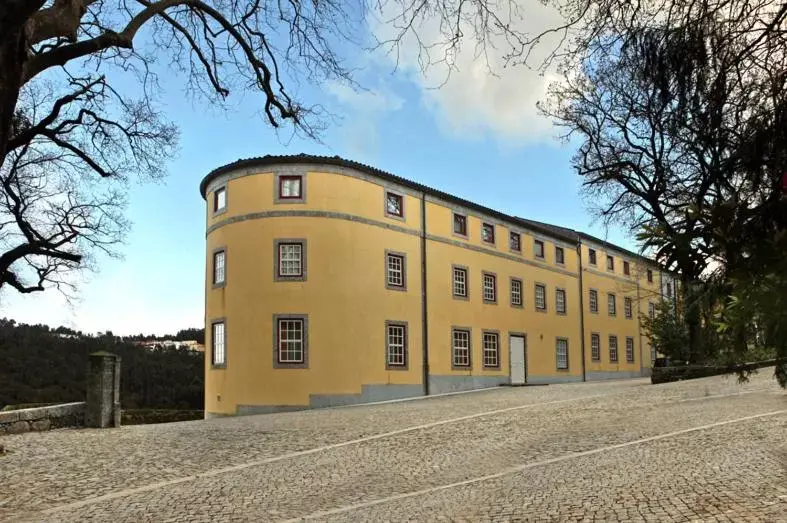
(554, 231)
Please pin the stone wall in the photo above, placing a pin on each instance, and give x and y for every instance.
(42, 418)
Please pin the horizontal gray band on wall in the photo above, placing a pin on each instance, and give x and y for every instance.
(302, 169)
(598, 272)
(375, 223)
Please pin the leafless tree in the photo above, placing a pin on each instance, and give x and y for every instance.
(679, 116)
(67, 136)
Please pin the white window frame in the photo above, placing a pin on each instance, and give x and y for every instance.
(289, 260)
(488, 226)
(400, 198)
(561, 356)
(284, 347)
(511, 236)
(543, 301)
(516, 292)
(218, 344)
(613, 348)
(286, 184)
(562, 251)
(396, 345)
(629, 349)
(461, 348)
(593, 300)
(612, 304)
(560, 301)
(219, 269)
(395, 277)
(220, 200)
(628, 307)
(490, 287)
(595, 346)
(463, 219)
(459, 285)
(539, 243)
(491, 346)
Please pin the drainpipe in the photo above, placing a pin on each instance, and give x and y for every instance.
(424, 316)
(581, 308)
(639, 327)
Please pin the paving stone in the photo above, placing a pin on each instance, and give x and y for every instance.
(242, 469)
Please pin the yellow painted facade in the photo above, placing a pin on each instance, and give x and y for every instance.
(343, 303)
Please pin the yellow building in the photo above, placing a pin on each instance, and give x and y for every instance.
(329, 282)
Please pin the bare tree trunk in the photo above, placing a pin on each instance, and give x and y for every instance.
(12, 60)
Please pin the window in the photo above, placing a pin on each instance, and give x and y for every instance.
(219, 349)
(219, 199)
(488, 233)
(561, 353)
(395, 271)
(515, 241)
(595, 347)
(613, 348)
(461, 348)
(541, 297)
(460, 282)
(626, 268)
(610, 263)
(396, 345)
(290, 187)
(290, 260)
(491, 350)
(593, 300)
(538, 249)
(650, 276)
(290, 340)
(394, 204)
(611, 304)
(516, 292)
(651, 310)
(560, 301)
(460, 224)
(560, 256)
(592, 256)
(490, 287)
(219, 267)
(627, 308)
(669, 290)
(630, 350)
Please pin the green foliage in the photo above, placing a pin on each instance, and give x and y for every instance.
(756, 310)
(690, 372)
(39, 366)
(668, 331)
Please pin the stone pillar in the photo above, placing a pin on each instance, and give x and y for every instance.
(103, 390)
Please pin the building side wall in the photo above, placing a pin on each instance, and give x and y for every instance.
(347, 304)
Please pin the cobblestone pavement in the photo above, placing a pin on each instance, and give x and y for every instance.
(702, 450)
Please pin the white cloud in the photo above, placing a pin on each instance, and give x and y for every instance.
(475, 101)
(365, 109)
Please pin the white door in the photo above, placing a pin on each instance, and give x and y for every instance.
(516, 350)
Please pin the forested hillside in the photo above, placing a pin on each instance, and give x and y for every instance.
(43, 365)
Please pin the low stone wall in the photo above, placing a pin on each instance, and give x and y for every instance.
(42, 418)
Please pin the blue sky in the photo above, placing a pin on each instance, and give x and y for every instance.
(479, 137)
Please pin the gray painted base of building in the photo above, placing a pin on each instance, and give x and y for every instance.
(441, 384)
(614, 375)
(369, 394)
(553, 379)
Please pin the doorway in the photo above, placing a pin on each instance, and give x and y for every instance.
(517, 357)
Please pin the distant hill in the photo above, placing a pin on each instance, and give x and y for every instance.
(43, 365)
